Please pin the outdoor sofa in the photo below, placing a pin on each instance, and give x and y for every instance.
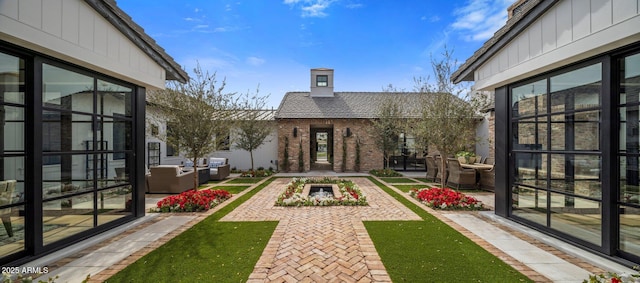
(169, 179)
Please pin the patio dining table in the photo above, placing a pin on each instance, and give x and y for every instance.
(478, 167)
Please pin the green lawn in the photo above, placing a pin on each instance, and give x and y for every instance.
(231, 189)
(210, 251)
(406, 188)
(397, 180)
(431, 251)
(245, 180)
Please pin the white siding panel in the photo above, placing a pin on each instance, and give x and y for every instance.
(52, 18)
(512, 49)
(563, 23)
(113, 43)
(134, 58)
(9, 9)
(581, 18)
(548, 31)
(85, 31)
(600, 14)
(74, 32)
(523, 47)
(70, 12)
(503, 57)
(494, 66)
(124, 51)
(624, 9)
(535, 39)
(30, 12)
(100, 35)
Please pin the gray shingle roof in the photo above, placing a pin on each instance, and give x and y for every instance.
(345, 105)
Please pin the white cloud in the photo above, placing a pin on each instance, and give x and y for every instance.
(201, 26)
(354, 6)
(434, 19)
(480, 19)
(311, 8)
(197, 10)
(255, 61)
(227, 7)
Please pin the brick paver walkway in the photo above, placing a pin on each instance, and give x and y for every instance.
(320, 244)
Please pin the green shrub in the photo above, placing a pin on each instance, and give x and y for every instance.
(385, 173)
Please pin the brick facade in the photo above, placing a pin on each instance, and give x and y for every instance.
(360, 129)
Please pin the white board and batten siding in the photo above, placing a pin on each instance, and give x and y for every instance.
(73, 31)
(572, 30)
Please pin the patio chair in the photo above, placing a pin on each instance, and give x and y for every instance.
(432, 168)
(6, 197)
(121, 174)
(488, 179)
(460, 176)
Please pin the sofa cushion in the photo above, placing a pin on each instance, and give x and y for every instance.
(214, 162)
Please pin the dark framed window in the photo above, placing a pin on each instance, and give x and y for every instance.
(119, 137)
(153, 154)
(322, 80)
(556, 151)
(171, 150)
(51, 136)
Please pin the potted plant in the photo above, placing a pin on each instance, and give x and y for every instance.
(466, 157)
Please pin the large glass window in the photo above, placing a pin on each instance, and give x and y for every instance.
(12, 154)
(557, 152)
(629, 154)
(87, 152)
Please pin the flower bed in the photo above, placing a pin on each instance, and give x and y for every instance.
(192, 200)
(292, 195)
(446, 199)
(385, 173)
(256, 173)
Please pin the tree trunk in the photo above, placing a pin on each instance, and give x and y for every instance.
(195, 173)
(443, 179)
(251, 154)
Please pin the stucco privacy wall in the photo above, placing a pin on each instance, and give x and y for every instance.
(265, 156)
(75, 32)
(570, 31)
(370, 156)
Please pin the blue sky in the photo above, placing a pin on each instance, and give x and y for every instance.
(272, 44)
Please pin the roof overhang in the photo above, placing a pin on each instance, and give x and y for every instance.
(119, 19)
(501, 38)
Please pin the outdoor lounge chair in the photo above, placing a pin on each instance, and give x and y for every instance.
(460, 176)
(169, 179)
(219, 168)
(432, 168)
(6, 197)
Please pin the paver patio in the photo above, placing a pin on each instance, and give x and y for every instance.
(320, 244)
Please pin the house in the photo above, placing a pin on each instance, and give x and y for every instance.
(326, 125)
(566, 77)
(73, 78)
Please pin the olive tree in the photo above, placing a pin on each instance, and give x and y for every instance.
(197, 111)
(448, 111)
(253, 124)
(387, 127)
